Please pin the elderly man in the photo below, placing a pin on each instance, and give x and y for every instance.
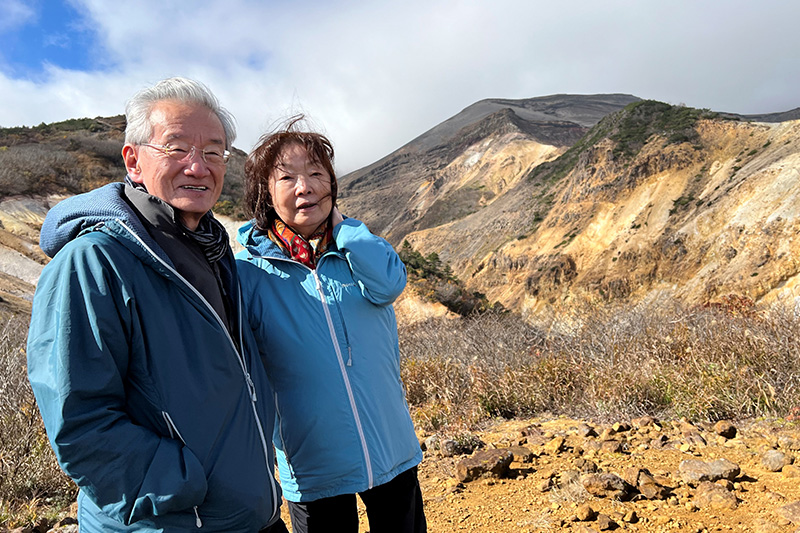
(147, 379)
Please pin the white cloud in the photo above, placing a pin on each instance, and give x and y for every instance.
(374, 75)
(15, 13)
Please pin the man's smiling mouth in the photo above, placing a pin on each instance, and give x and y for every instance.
(194, 188)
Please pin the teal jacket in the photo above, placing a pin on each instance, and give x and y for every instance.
(328, 339)
(154, 410)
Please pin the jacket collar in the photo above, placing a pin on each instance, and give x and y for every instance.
(257, 242)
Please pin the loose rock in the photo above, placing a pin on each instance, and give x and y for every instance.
(791, 512)
(604, 522)
(606, 486)
(585, 513)
(713, 496)
(775, 460)
(554, 446)
(694, 471)
(725, 428)
(484, 463)
(791, 471)
(521, 454)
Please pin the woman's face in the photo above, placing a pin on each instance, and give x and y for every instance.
(301, 190)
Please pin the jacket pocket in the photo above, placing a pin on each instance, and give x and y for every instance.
(279, 429)
(175, 434)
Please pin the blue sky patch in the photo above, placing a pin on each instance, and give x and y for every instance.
(55, 34)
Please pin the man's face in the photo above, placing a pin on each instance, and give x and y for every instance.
(192, 187)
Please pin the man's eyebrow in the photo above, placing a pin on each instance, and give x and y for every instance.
(179, 136)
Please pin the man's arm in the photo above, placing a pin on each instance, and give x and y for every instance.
(78, 350)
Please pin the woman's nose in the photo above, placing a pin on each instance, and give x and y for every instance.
(303, 185)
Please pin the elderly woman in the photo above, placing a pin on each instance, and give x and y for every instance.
(320, 288)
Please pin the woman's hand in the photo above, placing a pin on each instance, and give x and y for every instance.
(336, 216)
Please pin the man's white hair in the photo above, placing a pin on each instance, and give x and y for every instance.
(139, 129)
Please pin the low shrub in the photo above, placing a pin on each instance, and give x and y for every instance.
(659, 358)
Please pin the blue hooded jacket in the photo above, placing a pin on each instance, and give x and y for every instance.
(328, 339)
(147, 401)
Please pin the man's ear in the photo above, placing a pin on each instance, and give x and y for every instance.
(131, 159)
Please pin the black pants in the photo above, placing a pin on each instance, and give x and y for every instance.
(277, 527)
(394, 507)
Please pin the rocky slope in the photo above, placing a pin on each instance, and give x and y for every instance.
(21, 259)
(465, 162)
(531, 202)
(653, 198)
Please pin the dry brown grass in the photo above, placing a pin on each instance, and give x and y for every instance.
(658, 358)
(31, 483)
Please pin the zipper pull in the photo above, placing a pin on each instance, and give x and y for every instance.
(197, 522)
(349, 356)
(251, 387)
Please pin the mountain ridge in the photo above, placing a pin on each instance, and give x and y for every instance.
(532, 202)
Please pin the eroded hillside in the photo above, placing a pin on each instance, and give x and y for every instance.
(700, 220)
(653, 198)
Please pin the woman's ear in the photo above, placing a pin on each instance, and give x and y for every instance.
(131, 158)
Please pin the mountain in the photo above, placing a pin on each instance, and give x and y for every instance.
(541, 201)
(530, 203)
(466, 161)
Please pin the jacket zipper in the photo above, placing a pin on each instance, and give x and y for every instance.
(339, 357)
(343, 370)
(248, 380)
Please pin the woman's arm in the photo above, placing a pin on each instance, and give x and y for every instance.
(375, 265)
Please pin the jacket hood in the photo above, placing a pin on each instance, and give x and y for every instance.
(256, 241)
(71, 216)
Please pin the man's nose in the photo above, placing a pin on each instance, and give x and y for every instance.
(197, 167)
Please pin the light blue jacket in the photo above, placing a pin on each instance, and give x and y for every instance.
(148, 403)
(328, 338)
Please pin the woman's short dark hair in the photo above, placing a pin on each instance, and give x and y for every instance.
(265, 158)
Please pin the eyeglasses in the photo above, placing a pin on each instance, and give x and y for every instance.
(184, 153)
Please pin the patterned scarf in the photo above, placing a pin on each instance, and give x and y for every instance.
(295, 246)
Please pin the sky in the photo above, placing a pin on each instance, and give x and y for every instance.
(373, 75)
